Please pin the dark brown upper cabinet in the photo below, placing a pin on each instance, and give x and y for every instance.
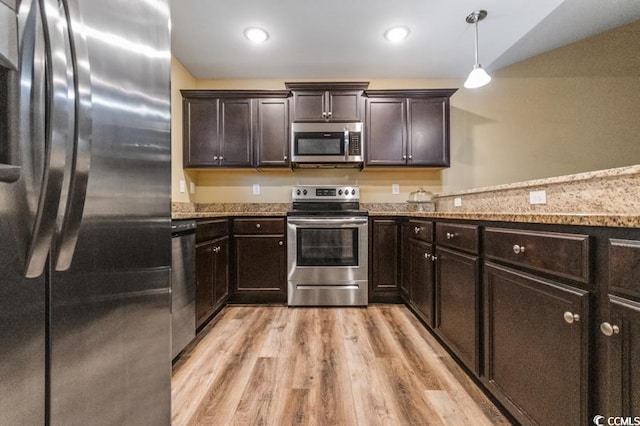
(340, 101)
(235, 128)
(407, 127)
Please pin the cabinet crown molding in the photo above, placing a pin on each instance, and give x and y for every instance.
(211, 94)
(330, 85)
(410, 93)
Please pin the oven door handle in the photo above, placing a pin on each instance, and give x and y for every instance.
(328, 221)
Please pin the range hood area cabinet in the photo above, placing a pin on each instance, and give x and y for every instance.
(235, 128)
(334, 102)
(407, 127)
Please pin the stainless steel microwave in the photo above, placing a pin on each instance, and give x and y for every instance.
(327, 144)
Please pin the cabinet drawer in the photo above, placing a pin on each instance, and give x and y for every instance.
(564, 255)
(259, 226)
(462, 237)
(211, 229)
(421, 230)
(624, 267)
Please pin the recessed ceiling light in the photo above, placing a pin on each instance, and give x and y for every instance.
(396, 33)
(256, 35)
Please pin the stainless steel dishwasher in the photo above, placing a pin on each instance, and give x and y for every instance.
(183, 284)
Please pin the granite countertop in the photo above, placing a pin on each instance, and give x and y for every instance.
(583, 219)
(612, 220)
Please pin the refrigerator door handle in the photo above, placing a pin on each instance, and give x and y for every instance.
(56, 134)
(81, 149)
(9, 60)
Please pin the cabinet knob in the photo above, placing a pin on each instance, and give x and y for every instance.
(329, 114)
(570, 318)
(404, 157)
(417, 229)
(285, 157)
(434, 258)
(450, 235)
(215, 157)
(280, 243)
(427, 256)
(258, 226)
(216, 249)
(221, 158)
(608, 329)
(517, 249)
(410, 156)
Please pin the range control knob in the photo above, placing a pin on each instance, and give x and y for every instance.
(298, 192)
(304, 192)
(353, 192)
(340, 192)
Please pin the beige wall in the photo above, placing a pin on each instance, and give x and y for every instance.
(180, 79)
(571, 110)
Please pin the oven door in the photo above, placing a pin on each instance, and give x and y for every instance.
(328, 253)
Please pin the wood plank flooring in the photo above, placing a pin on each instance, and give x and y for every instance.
(266, 365)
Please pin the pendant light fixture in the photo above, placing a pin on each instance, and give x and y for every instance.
(478, 76)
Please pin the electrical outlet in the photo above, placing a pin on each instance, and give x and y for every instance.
(538, 197)
(192, 187)
(256, 189)
(183, 186)
(457, 202)
(395, 189)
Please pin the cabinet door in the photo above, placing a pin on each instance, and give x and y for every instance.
(457, 304)
(272, 133)
(536, 346)
(622, 366)
(204, 281)
(384, 256)
(386, 134)
(405, 289)
(421, 279)
(260, 268)
(236, 149)
(221, 271)
(344, 105)
(200, 132)
(428, 124)
(309, 105)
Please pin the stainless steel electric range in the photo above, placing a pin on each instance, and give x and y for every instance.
(327, 247)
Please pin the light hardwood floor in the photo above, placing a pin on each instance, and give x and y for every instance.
(266, 365)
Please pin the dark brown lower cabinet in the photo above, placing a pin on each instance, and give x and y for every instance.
(260, 269)
(421, 279)
(384, 260)
(536, 346)
(212, 277)
(622, 336)
(457, 305)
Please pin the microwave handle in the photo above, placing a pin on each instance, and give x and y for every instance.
(346, 143)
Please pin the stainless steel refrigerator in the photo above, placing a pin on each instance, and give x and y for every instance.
(85, 246)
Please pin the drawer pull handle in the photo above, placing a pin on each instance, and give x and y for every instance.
(280, 243)
(570, 318)
(216, 249)
(427, 256)
(608, 329)
(258, 226)
(434, 258)
(417, 230)
(450, 235)
(517, 249)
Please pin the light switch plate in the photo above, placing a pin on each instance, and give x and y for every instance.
(395, 189)
(457, 202)
(538, 197)
(183, 186)
(256, 189)
(192, 187)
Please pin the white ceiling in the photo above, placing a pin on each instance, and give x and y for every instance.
(344, 38)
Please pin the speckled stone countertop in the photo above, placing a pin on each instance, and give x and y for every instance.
(187, 211)
(586, 219)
